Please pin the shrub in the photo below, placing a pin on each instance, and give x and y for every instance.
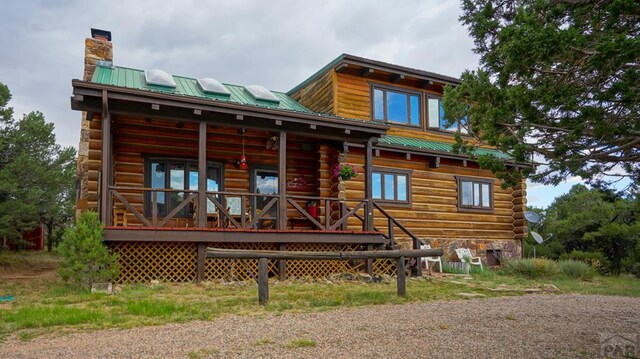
(532, 267)
(85, 259)
(596, 260)
(577, 269)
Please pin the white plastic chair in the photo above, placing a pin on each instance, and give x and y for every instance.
(465, 252)
(425, 260)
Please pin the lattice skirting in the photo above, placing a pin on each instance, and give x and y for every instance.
(147, 261)
(176, 262)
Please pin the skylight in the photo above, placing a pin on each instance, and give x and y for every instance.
(209, 85)
(260, 93)
(159, 77)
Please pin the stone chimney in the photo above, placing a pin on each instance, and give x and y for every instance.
(96, 48)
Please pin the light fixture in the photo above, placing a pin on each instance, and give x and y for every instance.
(243, 159)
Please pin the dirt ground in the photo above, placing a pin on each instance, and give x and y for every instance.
(533, 326)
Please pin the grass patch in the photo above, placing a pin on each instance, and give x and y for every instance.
(49, 316)
(300, 343)
(263, 341)
(46, 305)
(202, 353)
(153, 308)
(31, 260)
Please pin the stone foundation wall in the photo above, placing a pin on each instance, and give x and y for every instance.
(508, 248)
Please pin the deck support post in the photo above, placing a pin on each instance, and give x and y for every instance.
(106, 165)
(282, 182)
(282, 263)
(201, 257)
(401, 277)
(202, 176)
(368, 263)
(263, 282)
(368, 188)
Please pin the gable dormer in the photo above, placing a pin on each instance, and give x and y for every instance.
(407, 99)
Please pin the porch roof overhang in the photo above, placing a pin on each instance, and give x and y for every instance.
(439, 149)
(89, 96)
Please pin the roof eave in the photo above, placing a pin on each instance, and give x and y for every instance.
(443, 154)
(375, 129)
(376, 65)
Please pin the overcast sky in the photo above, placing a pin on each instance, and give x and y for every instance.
(276, 44)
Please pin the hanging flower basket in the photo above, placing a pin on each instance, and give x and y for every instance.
(344, 171)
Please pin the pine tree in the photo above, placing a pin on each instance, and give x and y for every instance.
(86, 260)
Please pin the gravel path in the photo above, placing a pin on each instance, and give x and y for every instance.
(540, 326)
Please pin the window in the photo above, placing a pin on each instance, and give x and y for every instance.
(180, 175)
(391, 185)
(437, 119)
(264, 180)
(396, 106)
(475, 194)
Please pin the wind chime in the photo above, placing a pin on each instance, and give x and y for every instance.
(243, 159)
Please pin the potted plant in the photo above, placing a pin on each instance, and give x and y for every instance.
(345, 171)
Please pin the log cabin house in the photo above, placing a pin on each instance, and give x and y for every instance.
(175, 164)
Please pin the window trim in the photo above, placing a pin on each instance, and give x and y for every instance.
(472, 208)
(395, 171)
(438, 129)
(385, 88)
(148, 160)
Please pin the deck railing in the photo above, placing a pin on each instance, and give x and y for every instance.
(238, 210)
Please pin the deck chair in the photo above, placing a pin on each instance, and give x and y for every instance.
(465, 252)
(425, 260)
(213, 217)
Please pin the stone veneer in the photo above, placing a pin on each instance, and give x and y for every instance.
(95, 50)
(509, 248)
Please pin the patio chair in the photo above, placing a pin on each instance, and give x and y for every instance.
(213, 218)
(465, 252)
(425, 260)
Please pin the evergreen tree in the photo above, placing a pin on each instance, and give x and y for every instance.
(557, 79)
(37, 176)
(86, 260)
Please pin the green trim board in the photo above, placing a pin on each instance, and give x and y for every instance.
(428, 145)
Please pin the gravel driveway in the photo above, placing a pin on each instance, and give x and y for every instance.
(542, 326)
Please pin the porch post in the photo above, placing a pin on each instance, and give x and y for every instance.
(282, 181)
(106, 165)
(202, 176)
(368, 188)
(201, 257)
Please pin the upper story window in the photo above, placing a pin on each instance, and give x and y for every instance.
(391, 185)
(396, 106)
(437, 118)
(475, 194)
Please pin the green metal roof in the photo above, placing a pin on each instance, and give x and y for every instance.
(185, 86)
(435, 146)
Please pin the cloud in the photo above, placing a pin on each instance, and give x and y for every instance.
(275, 44)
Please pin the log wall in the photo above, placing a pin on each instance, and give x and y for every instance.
(319, 94)
(137, 138)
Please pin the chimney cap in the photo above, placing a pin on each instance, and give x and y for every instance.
(97, 33)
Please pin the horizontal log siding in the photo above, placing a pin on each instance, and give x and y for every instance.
(353, 100)
(318, 95)
(135, 138)
(434, 212)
